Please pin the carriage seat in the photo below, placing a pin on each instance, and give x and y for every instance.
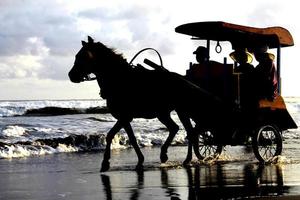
(214, 77)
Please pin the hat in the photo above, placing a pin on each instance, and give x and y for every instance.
(239, 54)
(271, 56)
(201, 50)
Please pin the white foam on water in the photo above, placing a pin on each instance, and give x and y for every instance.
(66, 148)
(280, 160)
(118, 141)
(13, 131)
(20, 151)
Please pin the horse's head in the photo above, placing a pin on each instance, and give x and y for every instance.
(96, 58)
(84, 62)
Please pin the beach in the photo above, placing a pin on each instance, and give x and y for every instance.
(77, 176)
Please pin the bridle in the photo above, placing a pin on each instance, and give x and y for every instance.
(89, 78)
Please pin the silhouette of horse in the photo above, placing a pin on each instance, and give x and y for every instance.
(141, 93)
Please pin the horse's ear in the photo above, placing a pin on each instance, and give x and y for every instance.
(83, 43)
(90, 39)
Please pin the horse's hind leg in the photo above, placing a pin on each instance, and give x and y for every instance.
(173, 129)
(134, 143)
(192, 137)
(110, 135)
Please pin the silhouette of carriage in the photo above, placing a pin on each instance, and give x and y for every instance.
(263, 130)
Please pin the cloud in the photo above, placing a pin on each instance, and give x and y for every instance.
(31, 36)
(130, 27)
(264, 14)
(42, 38)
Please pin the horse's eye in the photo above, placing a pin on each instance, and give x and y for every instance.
(90, 55)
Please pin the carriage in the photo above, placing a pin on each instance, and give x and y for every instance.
(264, 129)
(216, 88)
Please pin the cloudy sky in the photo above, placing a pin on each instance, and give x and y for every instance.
(39, 38)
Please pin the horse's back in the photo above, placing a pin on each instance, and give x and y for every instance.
(143, 93)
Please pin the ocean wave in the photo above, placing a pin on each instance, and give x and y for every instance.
(17, 108)
(72, 143)
(52, 111)
(102, 119)
(79, 143)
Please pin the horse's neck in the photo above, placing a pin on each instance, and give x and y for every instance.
(113, 80)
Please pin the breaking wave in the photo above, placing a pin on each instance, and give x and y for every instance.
(24, 146)
(52, 111)
(72, 143)
(51, 107)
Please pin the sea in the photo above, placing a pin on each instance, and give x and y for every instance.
(39, 127)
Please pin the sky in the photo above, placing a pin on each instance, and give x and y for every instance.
(40, 38)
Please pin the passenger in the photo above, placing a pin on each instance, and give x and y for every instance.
(266, 74)
(248, 102)
(243, 58)
(246, 80)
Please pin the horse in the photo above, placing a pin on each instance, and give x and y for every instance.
(141, 93)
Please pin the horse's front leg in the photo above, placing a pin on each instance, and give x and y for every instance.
(110, 136)
(135, 145)
(173, 129)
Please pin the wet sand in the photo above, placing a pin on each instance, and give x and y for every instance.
(77, 176)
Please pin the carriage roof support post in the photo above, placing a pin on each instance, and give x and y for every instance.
(208, 48)
(278, 68)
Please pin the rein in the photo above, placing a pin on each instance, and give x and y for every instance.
(145, 49)
(89, 78)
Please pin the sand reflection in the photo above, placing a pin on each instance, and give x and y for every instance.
(216, 182)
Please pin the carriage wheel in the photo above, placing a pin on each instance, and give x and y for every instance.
(207, 146)
(267, 143)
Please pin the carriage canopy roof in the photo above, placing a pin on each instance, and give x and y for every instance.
(238, 35)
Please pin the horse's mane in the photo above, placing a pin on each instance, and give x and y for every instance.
(109, 56)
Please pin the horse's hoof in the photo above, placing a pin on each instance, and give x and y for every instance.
(104, 167)
(163, 158)
(139, 167)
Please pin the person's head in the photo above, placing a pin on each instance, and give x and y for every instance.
(241, 56)
(202, 54)
(261, 53)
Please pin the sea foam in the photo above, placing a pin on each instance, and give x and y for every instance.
(13, 131)
(19, 151)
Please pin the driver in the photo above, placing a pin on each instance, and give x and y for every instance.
(202, 55)
(197, 71)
